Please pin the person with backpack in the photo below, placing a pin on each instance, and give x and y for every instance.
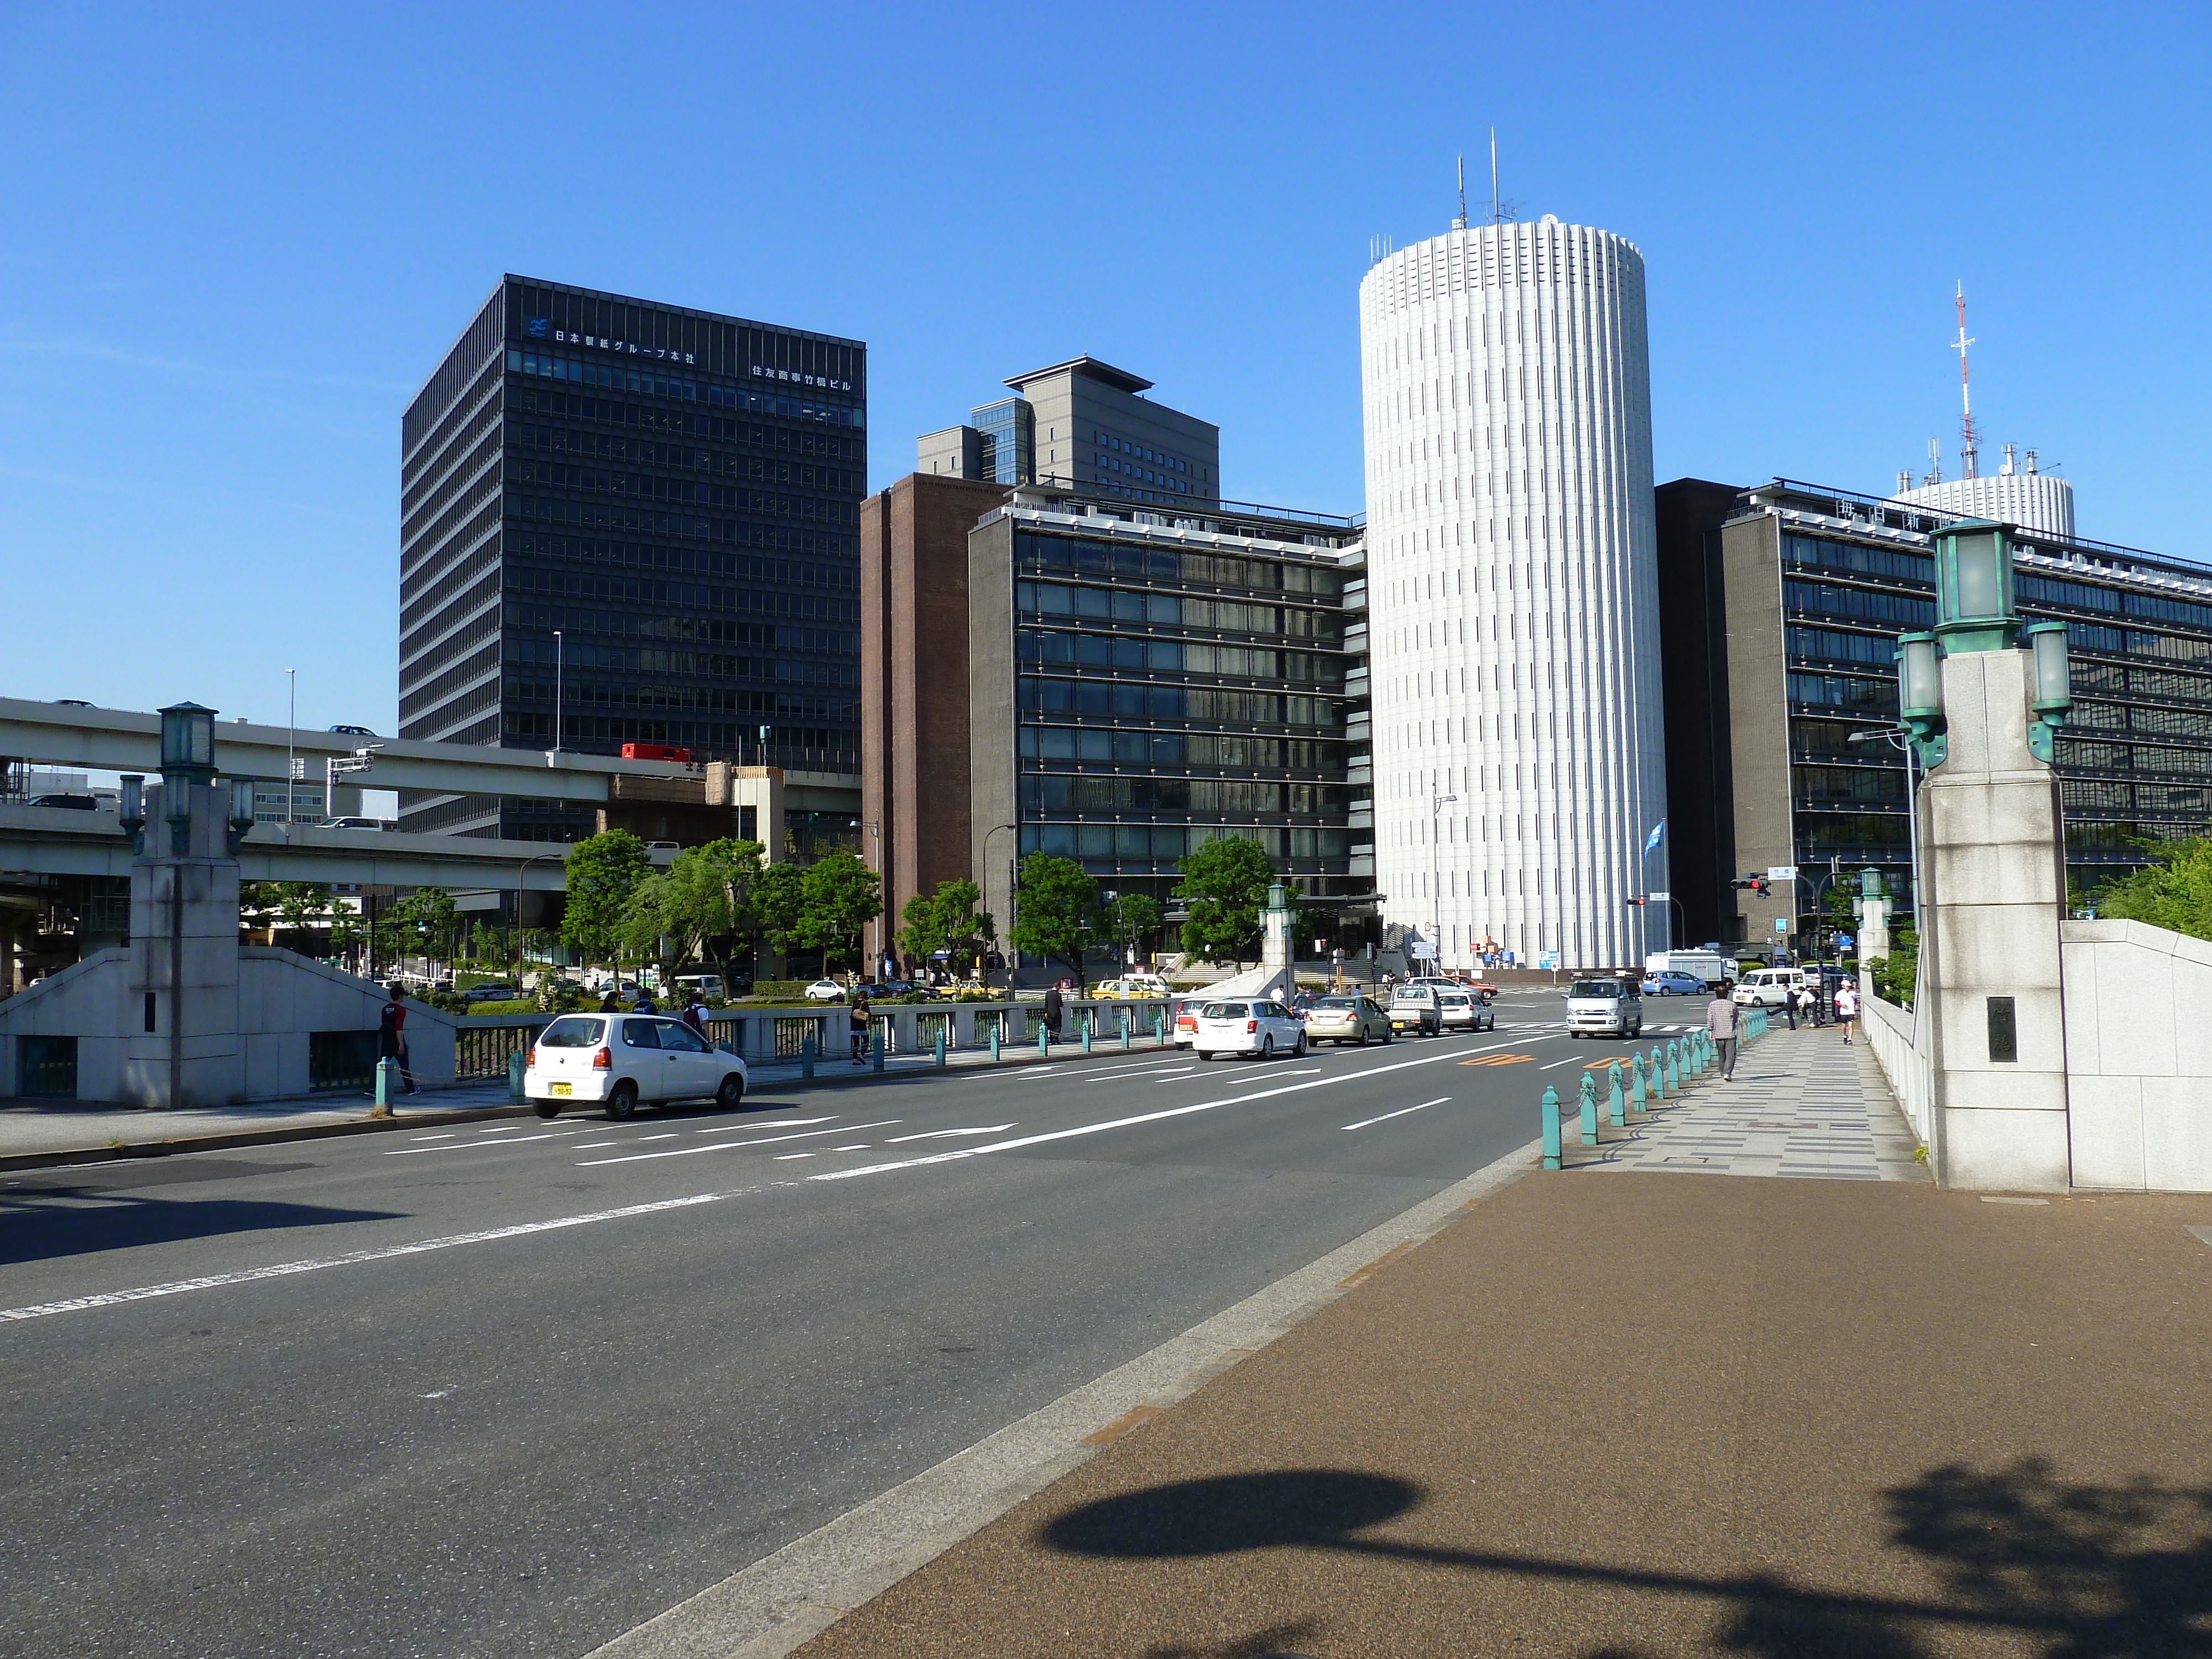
(863, 1021)
(695, 1016)
(391, 1035)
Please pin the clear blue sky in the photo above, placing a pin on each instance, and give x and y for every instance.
(233, 240)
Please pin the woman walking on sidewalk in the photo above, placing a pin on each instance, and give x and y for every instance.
(863, 1019)
(1847, 1007)
(1720, 1025)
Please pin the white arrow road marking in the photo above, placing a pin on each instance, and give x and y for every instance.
(727, 1146)
(315, 1264)
(1141, 1117)
(940, 1134)
(768, 1123)
(480, 1146)
(1401, 1112)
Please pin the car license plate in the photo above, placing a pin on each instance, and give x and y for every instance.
(562, 1088)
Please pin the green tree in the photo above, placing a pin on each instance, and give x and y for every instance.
(1054, 903)
(950, 920)
(779, 901)
(426, 921)
(839, 895)
(1225, 883)
(1134, 918)
(603, 872)
(706, 903)
(2173, 891)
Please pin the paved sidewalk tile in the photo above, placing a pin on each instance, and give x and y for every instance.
(1803, 1103)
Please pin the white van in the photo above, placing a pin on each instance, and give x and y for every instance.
(1768, 988)
(1710, 966)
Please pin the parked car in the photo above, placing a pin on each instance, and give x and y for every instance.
(73, 803)
(1673, 982)
(826, 990)
(353, 731)
(1604, 1008)
(1415, 1008)
(622, 1061)
(490, 992)
(1130, 986)
(1460, 1011)
(1345, 1019)
(1768, 988)
(1264, 1029)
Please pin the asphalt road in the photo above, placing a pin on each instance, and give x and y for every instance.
(294, 1401)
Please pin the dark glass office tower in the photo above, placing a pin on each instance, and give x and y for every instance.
(676, 495)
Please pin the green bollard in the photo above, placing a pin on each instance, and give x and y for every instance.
(1615, 1101)
(1087, 1024)
(998, 1026)
(940, 1047)
(387, 1081)
(1555, 1153)
(806, 1056)
(878, 1040)
(1160, 1028)
(1125, 1028)
(517, 1064)
(1044, 1040)
(1589, 1111)
(1674, 1069)
(1638, 1098)
(1658, 1074)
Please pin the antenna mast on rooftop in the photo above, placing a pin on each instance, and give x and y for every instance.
(1460, 223)
(1969, 447)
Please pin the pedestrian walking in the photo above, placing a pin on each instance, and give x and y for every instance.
(1052, 1012)
(1847, 1007)
(695, 1016)
(1720, 1025)
(1802, 1003)
(863, 1026)
(610, 1004)
(391, 1035)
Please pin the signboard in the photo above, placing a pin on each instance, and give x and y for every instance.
(1659, 893)
(1782, 924)
(1781, 873)
(1548, 959)
(1842, 941)
(1420, 947)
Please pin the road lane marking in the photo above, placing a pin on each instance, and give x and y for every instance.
(785, 1157)
(593, 1145)
(351, 1258)
(1099, 1076)
(768, 1123)
(1401, 1112)
(639, 1140)
(862, 1147)
(1125, 1122)
(1499, 1060)
(443, 1135)
(500, 1129)
(480, 1146)
(1570, 1060)
(1183, 1070)
(727, 1146)
(941, 1135)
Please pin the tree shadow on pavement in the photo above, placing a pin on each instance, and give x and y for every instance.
(2091, 1571)
(1260, 1644)
(41, 1229)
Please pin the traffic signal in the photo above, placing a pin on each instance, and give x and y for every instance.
(1637, 901)
(1758, 884)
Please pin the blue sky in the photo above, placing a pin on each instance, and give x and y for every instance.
(233, 240)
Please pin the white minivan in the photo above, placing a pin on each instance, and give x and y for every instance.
(1768, 988)
(618, 1061)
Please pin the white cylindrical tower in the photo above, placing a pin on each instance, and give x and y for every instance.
(2034, 501)
(1513, 593)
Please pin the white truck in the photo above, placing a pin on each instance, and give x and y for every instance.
(1710, 966)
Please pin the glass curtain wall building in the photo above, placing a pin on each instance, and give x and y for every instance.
(1806, 590)
(675, 494)
(1142, 685)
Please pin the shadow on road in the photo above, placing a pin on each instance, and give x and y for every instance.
(63, 1221)
(2093, 1571)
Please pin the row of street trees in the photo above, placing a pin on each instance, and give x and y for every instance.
(1061, 914)
(722, 900)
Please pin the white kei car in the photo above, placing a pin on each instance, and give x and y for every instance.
(1265, 1029)
(618, 1061)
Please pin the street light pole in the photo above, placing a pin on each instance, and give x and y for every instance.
(1902, 741)
(291, 762)
(1436, 878)
(1011, 866)
(876, 835)
(560, 652)
(521, 871)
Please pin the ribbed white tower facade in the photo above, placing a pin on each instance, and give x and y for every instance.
(2034, 501)
(1513, 594)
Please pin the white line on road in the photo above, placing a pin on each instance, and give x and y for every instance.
(785, 1157)
(1401, 1112)
(480, 1145)
(768, 1123)
(500, 1129)
(1141, 1117)
(593, 1145)
(862, 1147)
(1180, 1071)
(727, 1146)
(443, 1135)
(1570, 1060)
(942, 1134)
(313, 1264)
(1103, 1072)
(640, 1139)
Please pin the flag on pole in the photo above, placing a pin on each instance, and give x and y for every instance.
(1652, 841)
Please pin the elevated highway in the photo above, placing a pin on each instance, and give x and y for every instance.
(128, 740)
